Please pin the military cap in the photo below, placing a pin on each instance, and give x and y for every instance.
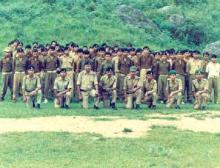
(172, 72)
(109, 69)
(30, 67)
(149, 72)
(198, 72)
(62, 70)
(133, 69)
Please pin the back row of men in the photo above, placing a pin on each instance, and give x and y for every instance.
(134, 75)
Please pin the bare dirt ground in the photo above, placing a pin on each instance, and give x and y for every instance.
(114, 126)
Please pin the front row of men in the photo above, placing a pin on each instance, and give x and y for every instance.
(135, 91)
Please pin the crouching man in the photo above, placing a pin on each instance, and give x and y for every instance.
(174, 90)
(108, 88)
(150, 90)
(31, 88)
(132, 89)
(63, 90)
(200, 90)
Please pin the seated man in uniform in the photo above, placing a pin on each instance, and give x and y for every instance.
(132, 89)
(150, 90)
(174, 90)
(31, 88)
(200, 91)
(63, 90)
(108, 87)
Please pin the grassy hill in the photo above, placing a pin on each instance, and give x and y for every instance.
(159, 24)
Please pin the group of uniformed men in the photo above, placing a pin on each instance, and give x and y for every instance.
(134, 75)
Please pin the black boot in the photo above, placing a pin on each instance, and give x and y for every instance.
(138, 107)
(38, 106)
(153, 107)
(95, 107)
(33, 104)
(2, 99)
(113, 106)
(150, 105)
(177, 107)
(203, 107)
(66, 106)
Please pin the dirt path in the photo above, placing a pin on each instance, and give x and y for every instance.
(110, 126)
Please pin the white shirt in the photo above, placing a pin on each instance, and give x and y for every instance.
(213, 69)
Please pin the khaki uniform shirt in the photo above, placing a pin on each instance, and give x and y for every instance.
(61, 85)
(175, 85)
(87, 81)
(199, 85)
(150, 85)
(130, 84)
(108, 83)
(66, 62)
(31, 84)
(193, 66)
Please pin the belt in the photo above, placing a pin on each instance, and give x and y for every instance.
(29, 91)
(83, 90)
(215, 77)
(69, 69)
(6, 73)
(17, 72)
(51, 71)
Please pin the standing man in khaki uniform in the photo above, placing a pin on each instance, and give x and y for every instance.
(63, 90)
(200, 90)
(174, 90)
(67, 63)
(192, 66)
(150, 90)
(107, 85)
(132, 89)
(213, 71)
(20, 66)
(163, 68)
(51, 64)
(87, 85)
(6, 68)
(31, 87)
(180, 66)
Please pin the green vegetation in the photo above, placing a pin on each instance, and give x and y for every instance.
(163, 147)
(19, 110)
(183, 24)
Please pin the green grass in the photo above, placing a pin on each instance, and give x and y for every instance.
(163, 147)
(19, 110)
